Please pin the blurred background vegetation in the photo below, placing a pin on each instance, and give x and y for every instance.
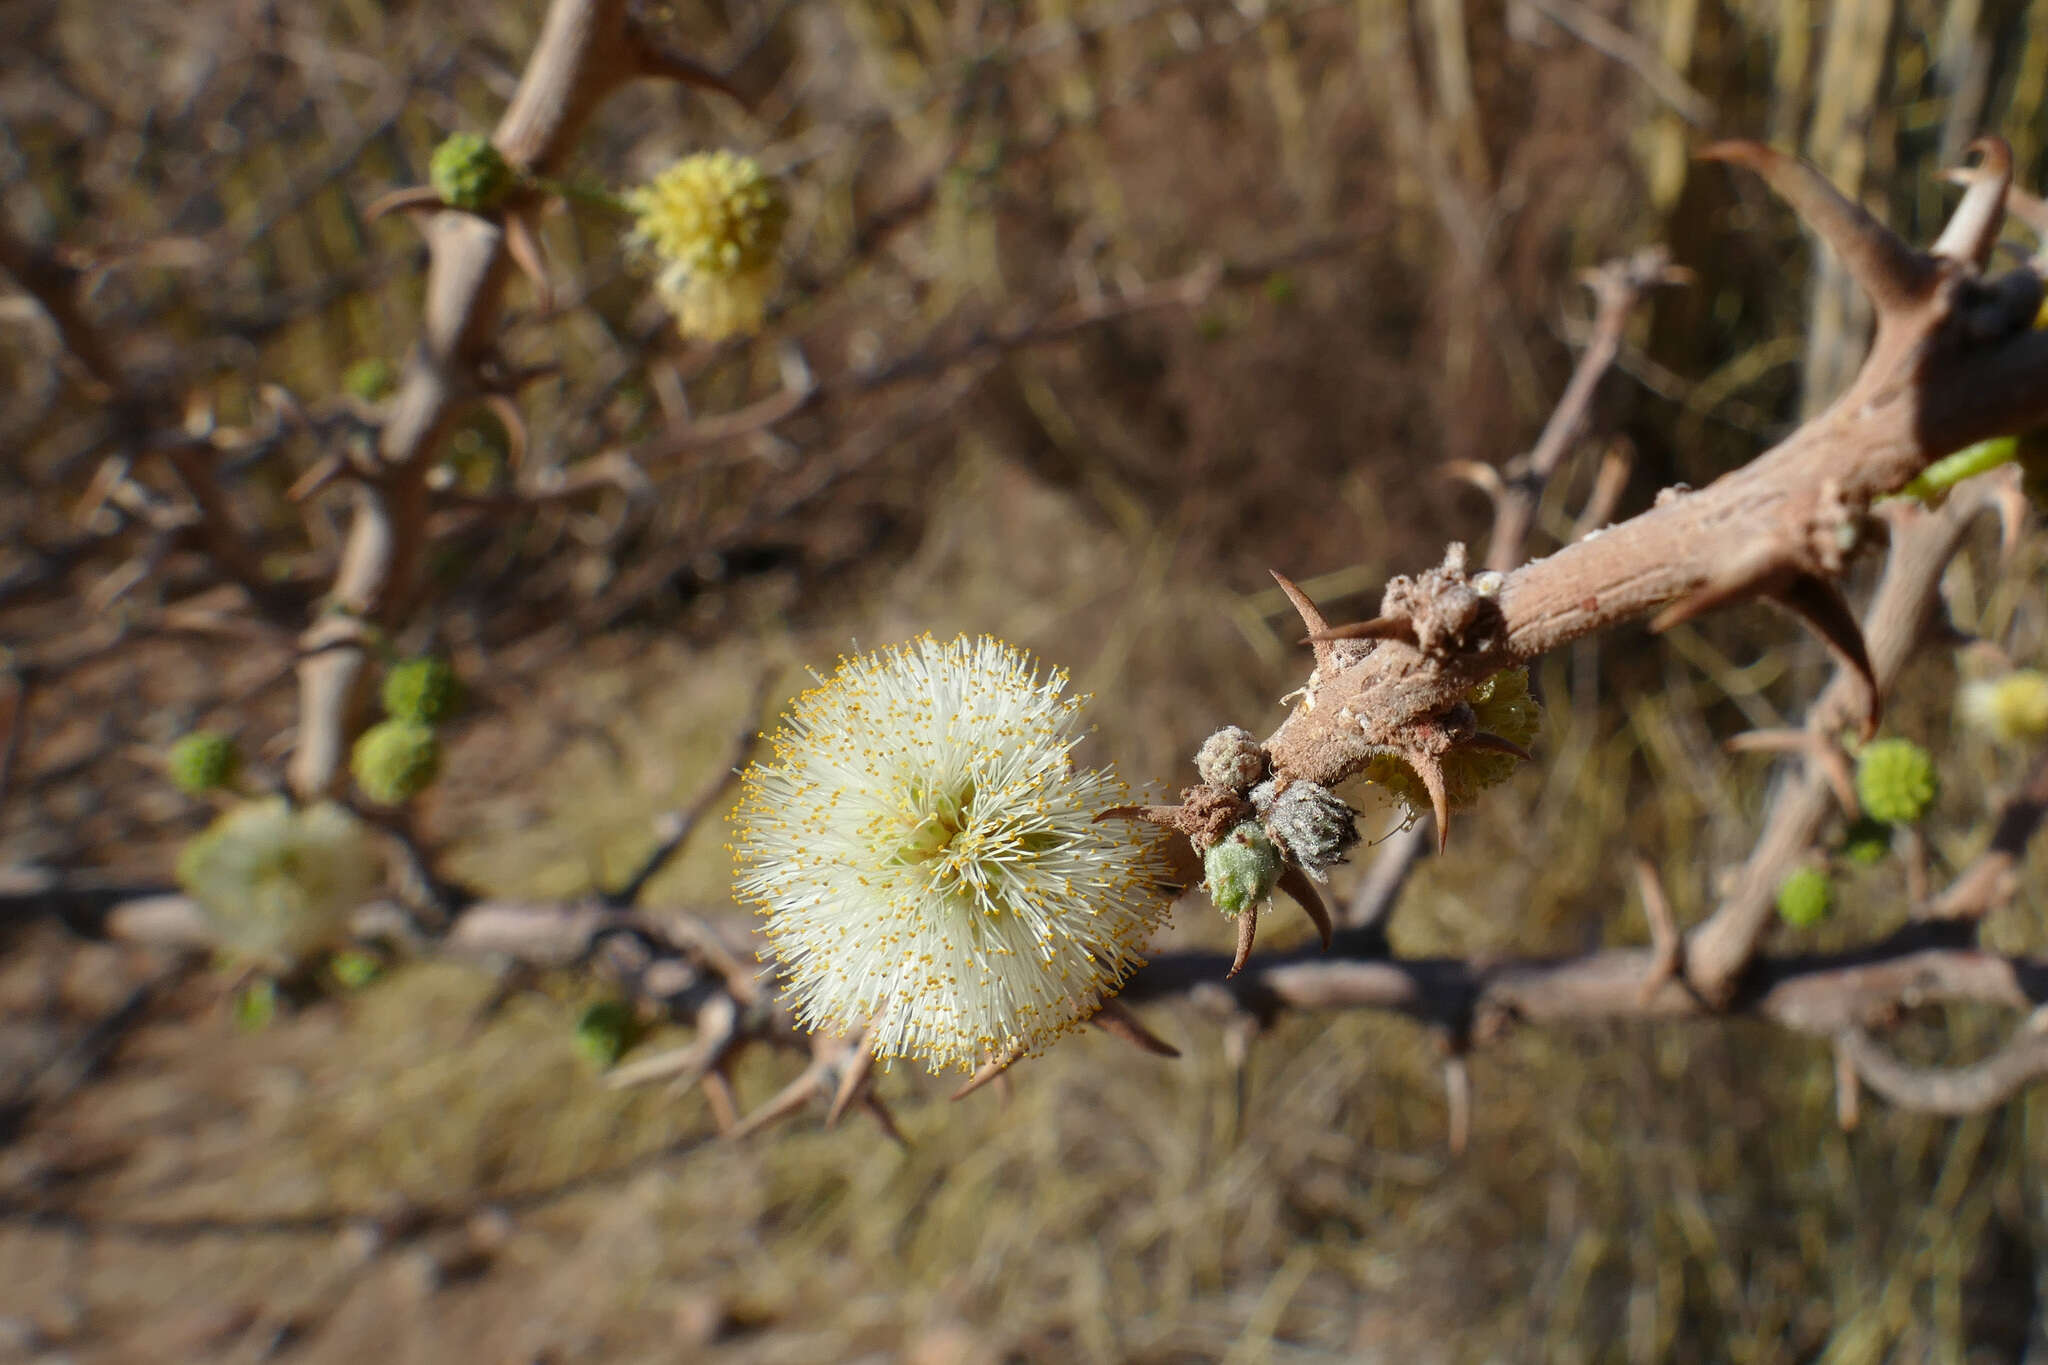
(1020, 423)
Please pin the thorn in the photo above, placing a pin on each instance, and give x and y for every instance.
(1666, 943)
(880, 1113)
(718, 1097)
(1479, 474)
(1247, 930)
(1818, 749)
(1166, 817)
(523, 244)
(1891, 272)
(1379, 628)
(507, 412)
(787, 1101)
(1973, 228)
(1848, 1089)
(410, 199)
(2031, 210)
(1296, 883)
(324, 471)
(854, 1073)
(2013, 508)
(1458, 1101)
(990, 1069)
(1432, 774)
(1489, 742)
(1311, 616)
(1746, 577)
(1119, 1022)
(1818, 603)
(656, 60)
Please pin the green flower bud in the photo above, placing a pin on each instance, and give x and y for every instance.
(2012, 709)
(1805, 898)
(395, 760)
(1231, 759)
(1867, 841)
(1895, 781)
(1241, 869)
(255, 1005)
(605, 1030)
(424, 689)
(369, 379)
(204, 761)
(469, 173)
(353, 970)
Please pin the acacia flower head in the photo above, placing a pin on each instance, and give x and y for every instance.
(711, 225)
(278, 882)
(927, 858)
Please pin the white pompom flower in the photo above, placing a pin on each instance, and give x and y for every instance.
(927, 858)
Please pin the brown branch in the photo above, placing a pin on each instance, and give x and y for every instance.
(1950, 1090)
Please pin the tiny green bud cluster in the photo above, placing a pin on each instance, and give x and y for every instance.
(2012, 709)
(605, 1030)
(394, 760)
(1805, 898)
(369, 379)
(1231, 759)
(1895, 780)
(204, 761)
(1867, 841)
(1241, 869)
(469, 173)
(423, 689)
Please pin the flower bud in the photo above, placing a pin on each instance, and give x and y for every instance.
(204, 761)
(469, 173)
(395, 760)
(2012, 709)
(423, 689)
(1231, 759)
(1805, 898)
(1310, 824)
(1895, 781)
(1241, 869)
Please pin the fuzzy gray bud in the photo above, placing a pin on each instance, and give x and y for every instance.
(1309, 823)
(1231, 759)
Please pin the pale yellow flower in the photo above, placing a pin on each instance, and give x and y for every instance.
(711, 225)
(927, 859)
(278, 882)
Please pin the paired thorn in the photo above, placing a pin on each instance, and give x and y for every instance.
(1311, 616)
(1667, 945)
(1378, 628)
(1119, 1022)
(1818, 603)
(854, 1074)
(1247, 931)
(1818, 749)
(1296, 883)
(1431, 771)
(1878, 259)
(1814, 600)
(990, 1070)
(1972, 229)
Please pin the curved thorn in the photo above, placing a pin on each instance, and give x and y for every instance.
(1478, 474)
(787, 1101)
(523, 244)
(1491, 743)
(507, 412)
(853, 1077)
(990, 1069)
(1166, 817)
(2030, 209)
(1891, 272)
(880, 1113)
(1296, 883)
(1746, 577)
(1247, 930)
(1432, 774)
(1119, 1022)
(1311, 616)
(1819, 604)
(718, 1097)
(1379, 628)
(404, 200)
(1972, 229)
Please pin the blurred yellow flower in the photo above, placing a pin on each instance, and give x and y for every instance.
(711, 225)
